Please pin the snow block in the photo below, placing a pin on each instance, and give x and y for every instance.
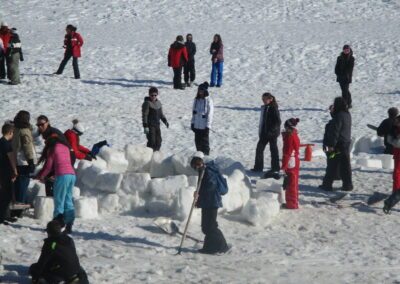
(370, 163)
(135, 182)
(108, 203)
(129, 202)
(159, 207)
(38, 189)
(369, 144)
(100, 163)
(239, 191)
(181, 164)
(160, 166)
(268, 186)
(76, 192)
(387, 161)
(184, 203)
(116, 161)
(193, 180)
(86, 207)
(227, 165)
(261, 211)
(109, 182)
(44, 208)
(167, 188)
(89, 176)
(318, 153)
(139, 158)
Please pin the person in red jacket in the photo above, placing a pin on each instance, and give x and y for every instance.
(5, 36)
(291, 163)
(177, 58)
(72, 135)
(72, 44)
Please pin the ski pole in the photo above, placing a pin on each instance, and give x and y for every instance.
(191, 210)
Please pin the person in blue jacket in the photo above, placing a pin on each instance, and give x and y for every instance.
(212, 186)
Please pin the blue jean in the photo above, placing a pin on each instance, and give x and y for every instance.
(63, 203)
(217, 71)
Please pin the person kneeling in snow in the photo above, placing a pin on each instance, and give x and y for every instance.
(212, 186)
(58, 261)
(291, 163)
(72, 135)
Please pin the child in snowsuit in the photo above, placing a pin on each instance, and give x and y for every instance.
(291, 163)
(344, 72)
(177, 58)
(209, 200)
(202, 115)
(72, 136)
(394, 140)
(152, 113)
(217, 60)
(58, 261)
(72, 44)
(385, 129)
(14, 55)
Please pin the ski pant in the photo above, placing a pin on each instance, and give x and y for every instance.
(52, 274)
(154, 138)
(63, 203)
(21, 184)
(4, 61)
(13, 68)
(396, 175)
(202, 140)
(189, 71)
(217, 71)
(332, 171)
(292, 189)
(214, 240)
(6, 188)
(67, 57)
(177, 78)
(345, 92)
(273, 146)
(345, 167)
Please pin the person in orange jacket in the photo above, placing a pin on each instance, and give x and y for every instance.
(177, 58)
(72, 135)
(291, 163)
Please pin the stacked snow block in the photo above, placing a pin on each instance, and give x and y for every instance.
(44, 208)
(239, 191)
(270, 186)
(86, 208)
(261, 211)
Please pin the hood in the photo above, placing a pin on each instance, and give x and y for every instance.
(155, 105)
(350, 54)
(177, 45)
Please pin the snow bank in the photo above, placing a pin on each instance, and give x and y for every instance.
(86, 208)
(261, 211)
(44, 208)
(139, 158)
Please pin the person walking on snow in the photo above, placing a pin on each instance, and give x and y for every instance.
(5, 36)
(202, 115)
(385, 129)
(72, 135)
(268, 130)
(14, 56)
(72, 44)
(344, 72)
(217, 60)
(177, 58)
(189, 69)
(152, 113)
(394, 140)
(212, 186)
(291, 162)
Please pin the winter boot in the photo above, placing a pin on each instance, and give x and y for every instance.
(60, 219)
(68, 229)
(391, 201)
(272, 174)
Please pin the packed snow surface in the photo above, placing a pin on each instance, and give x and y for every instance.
(288, 48)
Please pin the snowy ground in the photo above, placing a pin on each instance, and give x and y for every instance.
(286, 47)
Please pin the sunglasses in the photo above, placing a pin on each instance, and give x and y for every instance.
(41, 124)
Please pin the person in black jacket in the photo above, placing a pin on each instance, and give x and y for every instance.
(15, 55)
(152, 113)
(385, 129)
(58, 260)
(269, 131)
(338, 140)
(344, 72)
(189, 69)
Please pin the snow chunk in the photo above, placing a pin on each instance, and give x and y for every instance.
(38, 189)
(109, 182)
(89, 176)
(239, 191)
(261, 211)
(108, 203)
(100, 163)
(227, 165)
(76, 192)
(160, 166)
(86, 207)
(184, 203)
(369, 144)
(181, 164)
(135, 182)
(44, 208)
(370, 163)
(167, 188)
(387, 161)
(128, 202)
(139, 158)
(116, 161)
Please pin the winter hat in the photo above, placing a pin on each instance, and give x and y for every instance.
(291, 122)
(53, 228)
(78, 127)
(153, 90)
(4, 24)
(393, 112)
(198, 156)
(346, 46)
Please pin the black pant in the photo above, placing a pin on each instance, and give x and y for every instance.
(177, 78)
(64, 62)
(4, 62)
(346, 93)
(154, 138)
(189, 71)
(202, 140)
(6, 188)
(344, 165)
(273, 146)
(393, 199)
(214, 240)
(332, 171)
(52, 275)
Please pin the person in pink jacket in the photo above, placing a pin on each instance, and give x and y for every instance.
(57, 158)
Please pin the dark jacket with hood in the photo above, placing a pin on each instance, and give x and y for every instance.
(270, 121)
(384, 130)
(152, 113)
(191, 50)
(177, 55)
(14, 46)
(344, 67)
(339, 133)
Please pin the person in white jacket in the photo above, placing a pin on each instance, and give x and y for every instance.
(202, 115)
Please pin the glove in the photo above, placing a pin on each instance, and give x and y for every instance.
(192, 127)
(146, 130)
(93, 156)
(88, 157)
(31, 166)
(166, 124)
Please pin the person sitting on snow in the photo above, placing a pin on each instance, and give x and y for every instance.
(72, 135)
(58, 261)
(385, 128)
(212, 186)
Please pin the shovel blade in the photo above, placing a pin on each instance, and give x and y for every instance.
(166, 225)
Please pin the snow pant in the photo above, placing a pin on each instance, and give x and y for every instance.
(4, 61)
(345, 167)
(189, 71)
(217, 74)
(292, 189)
(63, 203)
(53, 274)
(273, 146)
(13, 68)
(214, 240)
(396, 175)
(6, 188)
(177, 78)
(332, 171)
(154, 138)
(202, 140)
(21, 184)
(345, 92)
(67, 57)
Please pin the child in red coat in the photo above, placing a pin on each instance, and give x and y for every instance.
(72, 135)
(291, 163)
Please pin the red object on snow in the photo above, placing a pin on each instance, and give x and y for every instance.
(307, 152)
(73, 139)
(76, 42)
(396, 170)
(177, 57)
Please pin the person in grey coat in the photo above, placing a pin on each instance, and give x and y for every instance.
(15, 55)
(152, 113)
(338, 140)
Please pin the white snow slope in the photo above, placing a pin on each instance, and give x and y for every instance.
(287, 47)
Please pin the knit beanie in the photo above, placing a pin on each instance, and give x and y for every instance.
(78, 127)
(203, 87)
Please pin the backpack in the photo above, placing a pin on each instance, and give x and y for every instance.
(222, 184)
